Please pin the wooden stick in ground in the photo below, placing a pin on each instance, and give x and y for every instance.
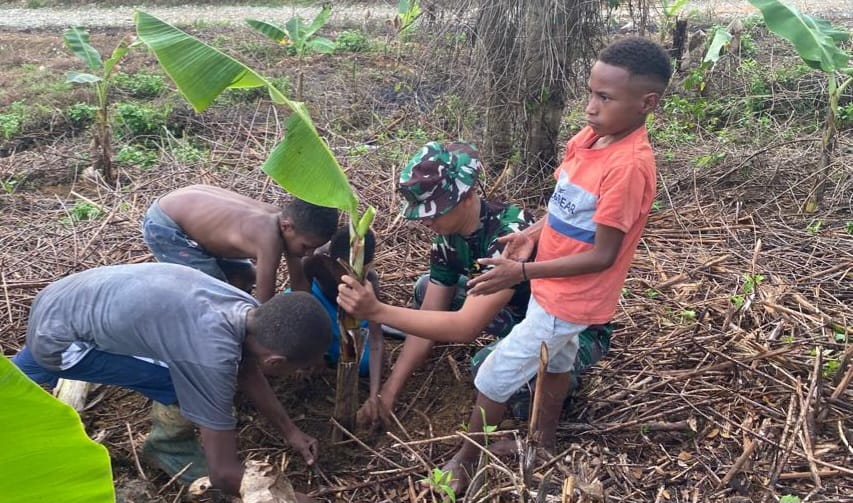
(73, 393)
(534, 434)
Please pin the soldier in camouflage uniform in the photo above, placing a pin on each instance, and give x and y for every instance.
(439, 185)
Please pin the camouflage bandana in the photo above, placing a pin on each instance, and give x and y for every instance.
(437, 177)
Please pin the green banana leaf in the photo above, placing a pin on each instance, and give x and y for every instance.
(77, 40)
(121, 49)
(73, 77)
(318, 21)
(322, 45)
(721, 38)
(46, 454)
(814, 39)
(302, 163)
(271, 31)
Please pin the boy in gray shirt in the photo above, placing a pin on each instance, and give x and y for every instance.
(178, 336)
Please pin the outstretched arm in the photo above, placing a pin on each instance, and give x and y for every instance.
(254, 385)
(463, 325)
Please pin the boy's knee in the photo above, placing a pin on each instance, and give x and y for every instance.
(24, 360)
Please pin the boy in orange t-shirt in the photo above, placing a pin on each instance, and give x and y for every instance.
(585, 244)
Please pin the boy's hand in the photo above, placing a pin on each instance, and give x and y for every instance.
(305, 444)
(373, 414)
(505, 274)
(517, 246)
(357, 299)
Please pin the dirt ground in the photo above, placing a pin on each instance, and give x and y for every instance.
(690, 383)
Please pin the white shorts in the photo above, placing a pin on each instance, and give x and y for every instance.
(515, 358)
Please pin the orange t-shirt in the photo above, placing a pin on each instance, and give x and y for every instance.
(613, 186)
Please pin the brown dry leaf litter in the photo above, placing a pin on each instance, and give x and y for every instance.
(701, 399)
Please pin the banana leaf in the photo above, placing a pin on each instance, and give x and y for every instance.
(46, 454)
(270, 30)
(814, 39)
(77, 40)
(302, 163)
(721, 38)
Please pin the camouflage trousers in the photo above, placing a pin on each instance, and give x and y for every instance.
(593, 345)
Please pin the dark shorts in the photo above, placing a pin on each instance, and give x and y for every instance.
(170, 244)
(150, 379)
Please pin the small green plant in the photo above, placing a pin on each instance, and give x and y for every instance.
(82, 211)
(789, 498)
(687, 315)
(188, 153)
(488, 429)
(352, 41)
(709, 160)
(77, 41)
(814, 227)
(302, 36)
(625, 292)
(750, 281)
(439, 481)
(830, 367)
(11, 123)
(651, 293)
(141, 84)
(645, 429)
(10, 184)
(81, 114)
(141, 120)
(849, 227)
(134, 155)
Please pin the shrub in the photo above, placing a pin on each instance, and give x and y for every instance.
(352, 41)
(12, 122)
(141, 84)
(134, 155)
(81, 114)
(140, 120)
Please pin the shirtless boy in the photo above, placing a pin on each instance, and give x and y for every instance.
(216, 231)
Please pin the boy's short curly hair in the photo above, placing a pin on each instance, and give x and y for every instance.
(294, 326)
(640, 57)
(339, 245)
(310, 219)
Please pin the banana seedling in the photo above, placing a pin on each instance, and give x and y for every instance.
(302, 36)
(77, 41)
(817, 43)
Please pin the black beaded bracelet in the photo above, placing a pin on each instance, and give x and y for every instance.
(523, 272)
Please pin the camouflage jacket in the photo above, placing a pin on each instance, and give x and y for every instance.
(454, 255)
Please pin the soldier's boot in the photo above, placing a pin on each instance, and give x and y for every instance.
(172, 444)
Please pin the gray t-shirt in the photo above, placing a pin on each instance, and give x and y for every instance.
(193, 323)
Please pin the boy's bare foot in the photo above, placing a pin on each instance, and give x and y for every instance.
(461, 471)
(504, 447)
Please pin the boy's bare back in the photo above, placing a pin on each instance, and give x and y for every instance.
(224, 223)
